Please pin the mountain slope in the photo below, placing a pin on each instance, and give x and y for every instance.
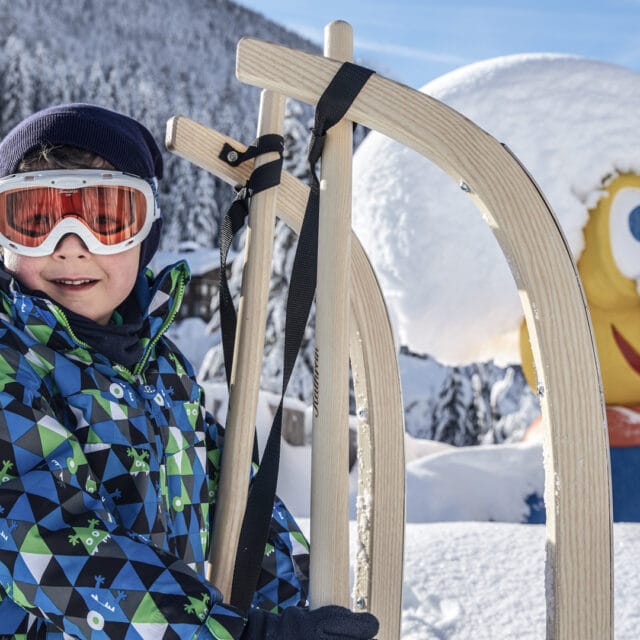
(149, 59)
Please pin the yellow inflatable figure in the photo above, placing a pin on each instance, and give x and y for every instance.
(609, 268)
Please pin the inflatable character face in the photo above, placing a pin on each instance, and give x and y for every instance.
(609, 268)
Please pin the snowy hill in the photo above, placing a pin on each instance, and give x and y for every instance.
(479, 403)
(152, 60)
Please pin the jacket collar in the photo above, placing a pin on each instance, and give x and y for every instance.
(157, 302)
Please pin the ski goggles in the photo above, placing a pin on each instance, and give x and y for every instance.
(110, 211)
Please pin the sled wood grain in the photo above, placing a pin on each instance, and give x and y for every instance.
(247, 362)
(577, 493)
(329, 579)
(379, 562)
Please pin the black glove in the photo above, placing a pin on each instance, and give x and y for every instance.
(326, 623)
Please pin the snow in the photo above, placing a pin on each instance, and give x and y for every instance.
(462, 582)
(573, 123)
(444, 483)
(485, 581)
(484, 483)
(194, 339)
(469, 579)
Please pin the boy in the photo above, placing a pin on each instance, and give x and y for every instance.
(108, 461)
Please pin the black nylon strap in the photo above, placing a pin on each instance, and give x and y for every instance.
(263, 144)
(262, 178)
(333, 105)
(331, 108)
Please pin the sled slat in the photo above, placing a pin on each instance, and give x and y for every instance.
(329, 580)
(378, 579)
(578, 495)
(247, 363)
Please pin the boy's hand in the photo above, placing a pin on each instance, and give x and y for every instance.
(326, 623)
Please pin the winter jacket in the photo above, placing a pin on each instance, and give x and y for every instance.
(108, 479)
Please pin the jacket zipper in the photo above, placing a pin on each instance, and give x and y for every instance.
(173, 312)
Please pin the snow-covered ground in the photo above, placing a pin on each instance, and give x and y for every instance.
(466, 578)
(485, 581)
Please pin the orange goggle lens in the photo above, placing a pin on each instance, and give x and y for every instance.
(113, 213)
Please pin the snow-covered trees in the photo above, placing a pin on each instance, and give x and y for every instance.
(162, 59)
(475, 404)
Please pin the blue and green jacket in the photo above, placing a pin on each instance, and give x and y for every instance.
(108, 480)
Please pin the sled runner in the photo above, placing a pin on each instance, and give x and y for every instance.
(577, 493)
(249, 345)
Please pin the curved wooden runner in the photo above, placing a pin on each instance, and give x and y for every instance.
(378, 571)
(577, 494)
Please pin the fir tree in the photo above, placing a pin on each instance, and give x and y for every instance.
(451, 422)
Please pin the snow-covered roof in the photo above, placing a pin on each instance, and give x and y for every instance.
(201, 260)
(570, 120)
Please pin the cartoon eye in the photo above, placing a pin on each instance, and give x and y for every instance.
(624, 231)
(634, 223)
(95, 620)
(116, 390)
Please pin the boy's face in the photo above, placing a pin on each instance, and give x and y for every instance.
(88, 284)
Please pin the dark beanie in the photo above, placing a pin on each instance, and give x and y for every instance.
(119, 139)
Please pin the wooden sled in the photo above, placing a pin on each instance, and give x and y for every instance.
(577, 494)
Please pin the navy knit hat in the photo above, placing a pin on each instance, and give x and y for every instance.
(120, 140)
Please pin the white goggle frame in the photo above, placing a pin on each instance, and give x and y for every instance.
(75, 179)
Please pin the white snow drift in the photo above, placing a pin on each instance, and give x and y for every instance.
(571, 121)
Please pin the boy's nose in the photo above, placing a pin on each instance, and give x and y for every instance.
(71, 246)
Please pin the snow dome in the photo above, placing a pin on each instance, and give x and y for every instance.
(573, 122)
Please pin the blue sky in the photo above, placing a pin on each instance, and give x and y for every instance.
(415, 41)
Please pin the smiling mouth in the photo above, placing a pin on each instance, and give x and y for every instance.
(630, 354)
(74, 284)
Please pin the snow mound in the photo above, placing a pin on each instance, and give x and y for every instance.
(572, 122)
(482, 483)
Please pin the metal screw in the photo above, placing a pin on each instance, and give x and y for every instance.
(363, 414)
(360, 603)
(232, 156)
(465, 187)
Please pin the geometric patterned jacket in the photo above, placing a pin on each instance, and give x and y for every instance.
(108, 479)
